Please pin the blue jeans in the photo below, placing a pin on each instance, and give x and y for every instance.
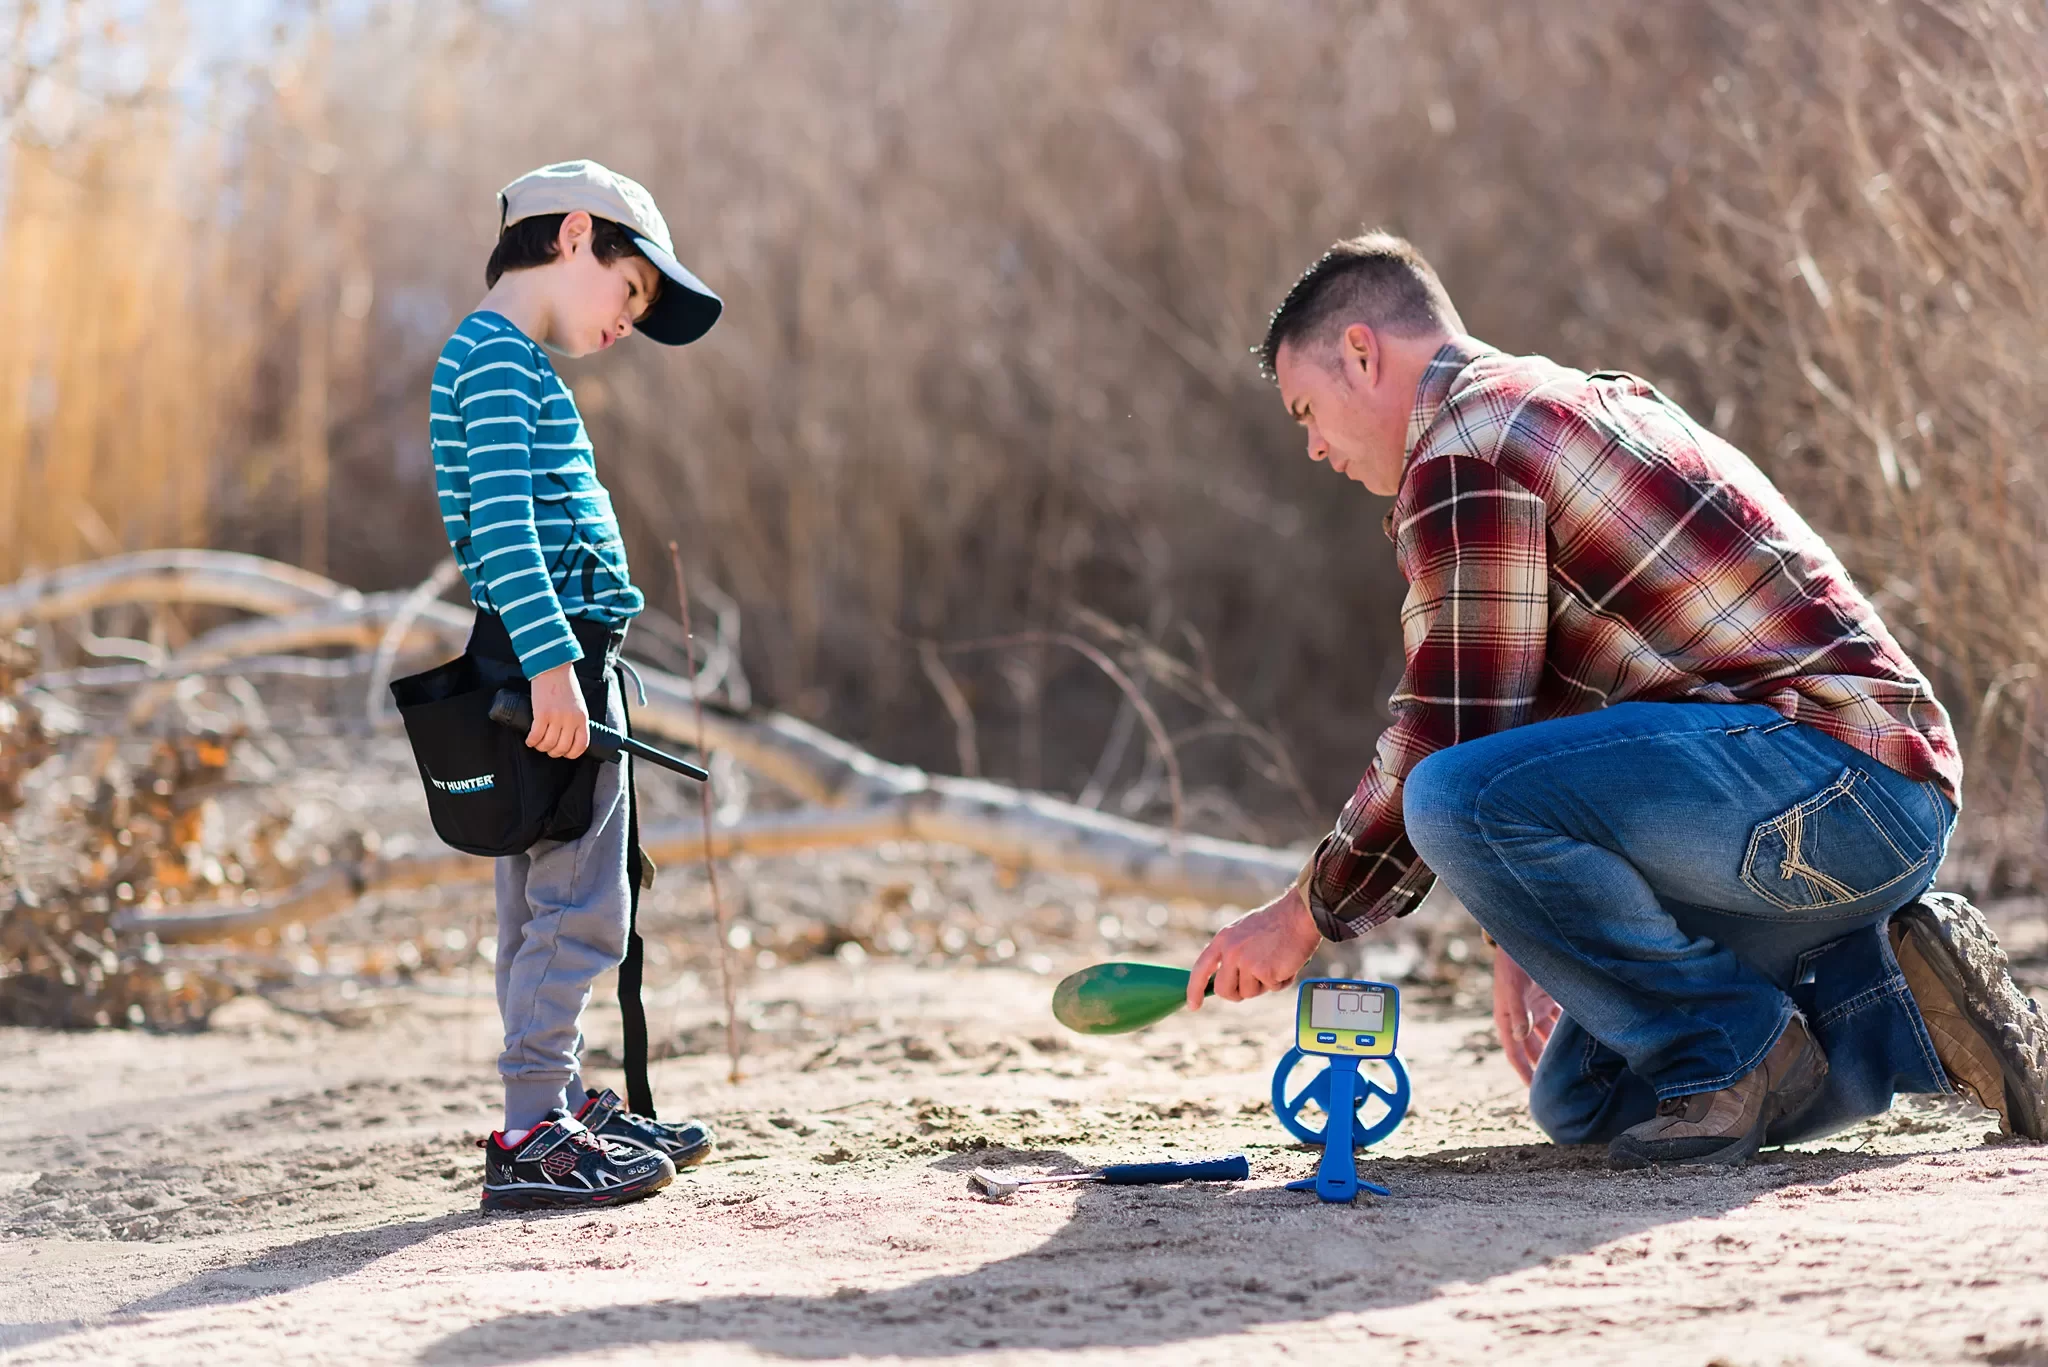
(1682, 877)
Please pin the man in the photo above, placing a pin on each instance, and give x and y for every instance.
(1655, 739)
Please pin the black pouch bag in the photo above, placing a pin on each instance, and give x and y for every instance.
(488, 792)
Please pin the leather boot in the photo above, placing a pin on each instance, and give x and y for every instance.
(1727, 1127)
(1992, 1040)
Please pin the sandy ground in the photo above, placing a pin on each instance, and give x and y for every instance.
(284, 1188)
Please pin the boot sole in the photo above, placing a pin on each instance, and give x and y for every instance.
(1625, 1155)
(1959, 947)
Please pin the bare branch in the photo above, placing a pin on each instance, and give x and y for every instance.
(955, 701)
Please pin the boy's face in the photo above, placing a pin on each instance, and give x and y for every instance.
(595, 304)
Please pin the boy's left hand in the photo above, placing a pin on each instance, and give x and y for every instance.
(561, 721)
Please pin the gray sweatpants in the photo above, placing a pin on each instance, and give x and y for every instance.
(562, 921)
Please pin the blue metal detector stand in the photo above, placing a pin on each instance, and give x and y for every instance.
(1339, 1091)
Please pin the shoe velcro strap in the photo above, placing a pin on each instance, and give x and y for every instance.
(550, 1137)
(602, 1108)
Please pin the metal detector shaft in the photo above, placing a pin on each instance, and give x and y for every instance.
(514, 711)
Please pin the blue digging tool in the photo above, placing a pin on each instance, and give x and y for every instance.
(1236, 1167)
(1342, 1022)
(514, 710)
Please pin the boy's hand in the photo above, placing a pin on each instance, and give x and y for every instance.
(561, 722)
(1261, 951)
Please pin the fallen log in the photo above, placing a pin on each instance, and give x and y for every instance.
(303, 612)
(214, 578)
(1016, 829)
(855, 798)
(809, 762)
(360, 621)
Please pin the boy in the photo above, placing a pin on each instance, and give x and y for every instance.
(583, 261)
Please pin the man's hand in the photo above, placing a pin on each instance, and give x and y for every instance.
(1523, 1013)
(561, 722)
(1259, 952)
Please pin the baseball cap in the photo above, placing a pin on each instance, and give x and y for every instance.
(680, 314)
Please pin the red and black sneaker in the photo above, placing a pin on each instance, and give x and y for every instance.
(685, 1142)
(561, 1163)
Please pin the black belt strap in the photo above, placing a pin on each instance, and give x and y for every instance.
(639, 871)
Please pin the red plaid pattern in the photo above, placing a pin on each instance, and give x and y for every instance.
(1572, 541)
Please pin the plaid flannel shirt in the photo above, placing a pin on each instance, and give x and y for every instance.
(1571, 541)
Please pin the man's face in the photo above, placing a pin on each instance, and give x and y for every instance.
(1339, 392)
(596, 303)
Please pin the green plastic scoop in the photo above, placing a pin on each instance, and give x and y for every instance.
(1113, 999)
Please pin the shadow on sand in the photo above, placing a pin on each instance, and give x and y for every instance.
(1145, 1266)
(279, 1270)
(292, 1266)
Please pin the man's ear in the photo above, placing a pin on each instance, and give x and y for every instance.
(574, 232)
(1361, 352)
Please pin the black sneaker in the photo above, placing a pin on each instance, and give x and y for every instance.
(561, 1163)
(685, 1142)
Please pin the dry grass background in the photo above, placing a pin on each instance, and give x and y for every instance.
(991, 272)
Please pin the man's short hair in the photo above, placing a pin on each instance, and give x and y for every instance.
(1376, 278)
(534, 242)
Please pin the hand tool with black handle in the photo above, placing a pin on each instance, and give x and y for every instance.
(514, 710)
(1234, 1168)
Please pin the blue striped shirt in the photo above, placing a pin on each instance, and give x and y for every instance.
(532, 528)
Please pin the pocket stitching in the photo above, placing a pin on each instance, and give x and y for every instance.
(1776, 824)
(1887, 814)
(1879, 827)
(1843, 786)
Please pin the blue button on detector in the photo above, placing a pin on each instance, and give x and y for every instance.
(1363, 1041)
(1326, 1037)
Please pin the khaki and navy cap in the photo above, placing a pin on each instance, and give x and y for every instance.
(679, 315)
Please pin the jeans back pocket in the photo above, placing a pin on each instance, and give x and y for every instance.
(1846, 842)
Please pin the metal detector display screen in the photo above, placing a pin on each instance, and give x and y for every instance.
(1345, 1008)
(1356, 1018)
